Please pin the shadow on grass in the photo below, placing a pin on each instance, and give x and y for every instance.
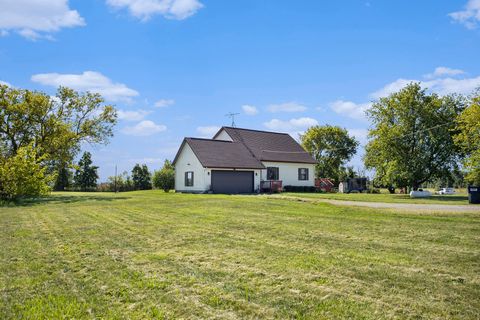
(58, 199)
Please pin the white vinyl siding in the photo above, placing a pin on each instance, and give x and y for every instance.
(288, 173)
(188, 162)
(223, 135)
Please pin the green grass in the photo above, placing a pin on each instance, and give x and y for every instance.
(153, 255)
(457, 199)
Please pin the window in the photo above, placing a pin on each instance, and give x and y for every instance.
(272, 173)
(189, 179)
(302, 174)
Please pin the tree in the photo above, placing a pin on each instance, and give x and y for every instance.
(168, 165)
(332, 147)
(410, 141)
(347, 172)
(142, 179)
(120, 183)
(55, 126)
(165, 178)
(86, 174)
(21, 175)
(64, 178)
(468, 138)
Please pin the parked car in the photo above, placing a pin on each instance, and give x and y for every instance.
(446, 191)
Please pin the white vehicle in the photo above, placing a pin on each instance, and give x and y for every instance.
(446, 191)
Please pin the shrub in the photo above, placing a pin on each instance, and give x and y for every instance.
(299, 189)
(164, 179)
(22, 175)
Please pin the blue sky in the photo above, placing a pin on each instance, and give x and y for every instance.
(174, 68)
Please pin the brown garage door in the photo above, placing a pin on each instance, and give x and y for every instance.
(232, 182)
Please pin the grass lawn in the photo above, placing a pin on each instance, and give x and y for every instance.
(457, 199)
(154, 255)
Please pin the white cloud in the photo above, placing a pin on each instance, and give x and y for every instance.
(163, 103)
(88, 81)
(450, 85)
(35, 19)
(470, 16)
(287, 107)
(290, 125)
(439, 83)
(5, 83)
(208, 131)
(444, 71)
(390, 88)
(442, 86)
(350, 109)
(130, 115)
(170, 9)
(360, 134)
(250, 110)
(144, 128)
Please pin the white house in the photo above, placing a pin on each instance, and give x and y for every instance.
(239, 160)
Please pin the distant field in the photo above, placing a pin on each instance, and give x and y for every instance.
(459, 198)
(148, 254)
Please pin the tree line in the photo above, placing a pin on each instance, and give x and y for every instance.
(415, 138)
(84, 178)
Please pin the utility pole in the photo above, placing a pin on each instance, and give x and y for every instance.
(232, 116)
(115, 179)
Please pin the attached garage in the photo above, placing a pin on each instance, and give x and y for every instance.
(229, 182)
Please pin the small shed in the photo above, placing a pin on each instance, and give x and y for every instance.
(353, 185)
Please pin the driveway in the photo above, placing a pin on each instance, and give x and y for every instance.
(406, 206)
(398, 206)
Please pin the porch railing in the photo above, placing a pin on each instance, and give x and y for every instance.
(271, 186)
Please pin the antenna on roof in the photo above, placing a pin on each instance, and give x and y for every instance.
(232, 116)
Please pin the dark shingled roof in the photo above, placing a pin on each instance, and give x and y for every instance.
(223, 154)
(270, 146)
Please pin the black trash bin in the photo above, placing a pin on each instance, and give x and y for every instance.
(474, 195)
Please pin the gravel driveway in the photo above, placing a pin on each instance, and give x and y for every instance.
(406, 206)
(399, 206)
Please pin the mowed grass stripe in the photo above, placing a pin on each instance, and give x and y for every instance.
(148, 254)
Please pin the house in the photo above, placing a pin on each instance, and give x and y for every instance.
(239, 160)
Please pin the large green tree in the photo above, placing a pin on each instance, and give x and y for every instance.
(411, 137)
(142, 179)
(86, 175)
(468, 138)
(332, 147)
(55, 127)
